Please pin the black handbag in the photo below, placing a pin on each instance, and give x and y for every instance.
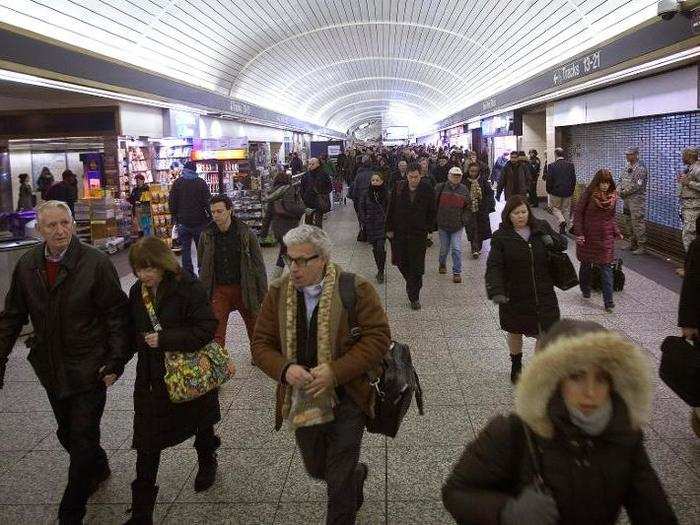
(562, 270)
(680, 368)
(398, 383)
(618, 277)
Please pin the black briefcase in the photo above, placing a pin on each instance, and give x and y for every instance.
(562, 270)
(680, 368)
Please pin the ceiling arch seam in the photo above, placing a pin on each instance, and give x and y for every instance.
(329, 105)
(385, 100)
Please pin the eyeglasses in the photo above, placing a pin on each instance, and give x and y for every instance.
(301, 262)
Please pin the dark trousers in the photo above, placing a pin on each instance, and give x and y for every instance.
(315, 218)
(379, 252)
(410, 255)
(331, 452)
(187, 234)
(532, 194)
(472, 231)
(78, 419)
(606, 278)
(281, 253)
(148, 461)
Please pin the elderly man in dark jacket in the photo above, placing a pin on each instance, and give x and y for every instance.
(515, 177)
(72, 294)
(316, 187)
(410, 217)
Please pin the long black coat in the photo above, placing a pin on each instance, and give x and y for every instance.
(486, 207)
(590, 478)
(411, 219)
(294, 206)
(372, 212)
(188, 323)
(689, 304)
(80, 323)
(517, 269)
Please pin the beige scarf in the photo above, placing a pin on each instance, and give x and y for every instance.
(324, 344)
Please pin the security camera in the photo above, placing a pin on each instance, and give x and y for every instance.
(667, 9)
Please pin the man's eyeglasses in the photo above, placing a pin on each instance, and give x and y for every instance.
(300, 261)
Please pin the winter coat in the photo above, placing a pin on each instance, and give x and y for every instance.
(515, 179)
(352, 361)
(454, 205)
(689, 192)
(189, 200)
(689, 304)
(590, 477)
(290, 199)
(65, 192)
(487, 205)
(408, 219)
(253, 274)
(80, 324)
(315, 189)
(188, 323)
(372, 210)
(296, 165)
(43, 183)
(599, 227)
(361, 184)
(517, 269)
(25, 200)
(561, 178)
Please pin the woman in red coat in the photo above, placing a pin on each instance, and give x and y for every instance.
(596, 230)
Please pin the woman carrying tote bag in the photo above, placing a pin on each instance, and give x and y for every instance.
(187, 324)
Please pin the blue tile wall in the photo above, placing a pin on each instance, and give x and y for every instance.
(660, 140)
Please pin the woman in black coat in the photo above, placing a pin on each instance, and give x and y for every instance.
(481, 230)
(582, 401)
(372, 210)
(187, 324)
(285, 208)
(517, 278)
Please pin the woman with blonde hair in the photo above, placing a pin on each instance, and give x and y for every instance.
(185, 323)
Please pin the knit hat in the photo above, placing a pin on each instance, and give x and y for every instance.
(455, 170)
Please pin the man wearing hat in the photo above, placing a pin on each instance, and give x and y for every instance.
(633, 190)
(453, 214)
(189, 205)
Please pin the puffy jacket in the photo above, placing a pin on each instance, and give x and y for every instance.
(80, 324)
(599, 228)
(453, 205)
(372, 211)
(189, 200)
(517, 269)
(590, 477)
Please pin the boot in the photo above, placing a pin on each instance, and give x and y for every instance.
(516, 367)
(143, 500)
(206, 474)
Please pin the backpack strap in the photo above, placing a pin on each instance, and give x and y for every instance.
(348, 295)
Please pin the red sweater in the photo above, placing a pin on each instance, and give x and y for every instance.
(52, 272)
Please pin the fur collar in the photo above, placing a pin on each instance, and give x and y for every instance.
(625, 362)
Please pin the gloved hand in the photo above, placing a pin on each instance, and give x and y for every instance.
(530, 508)
(499, 299)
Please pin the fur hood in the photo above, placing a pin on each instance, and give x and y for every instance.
(620, 358)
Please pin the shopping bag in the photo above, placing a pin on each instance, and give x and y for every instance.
(680, 368)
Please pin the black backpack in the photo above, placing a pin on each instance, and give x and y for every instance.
(398, 382)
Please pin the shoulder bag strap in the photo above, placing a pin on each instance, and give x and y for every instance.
(539, 480)
(150, 308)
(348, 295)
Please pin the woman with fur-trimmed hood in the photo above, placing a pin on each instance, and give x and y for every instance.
(581, 403)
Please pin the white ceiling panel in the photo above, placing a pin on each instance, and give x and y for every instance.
(330, 61)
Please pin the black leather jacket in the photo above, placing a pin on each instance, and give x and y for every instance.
(80, 324)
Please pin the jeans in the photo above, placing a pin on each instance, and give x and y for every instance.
(331, 452)
(451, 240)
(379, 252)
(78, 418)
(606, 277)
(187, 234)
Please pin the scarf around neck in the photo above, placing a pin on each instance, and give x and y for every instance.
(595, 423)
(604, 201)
(324, 337)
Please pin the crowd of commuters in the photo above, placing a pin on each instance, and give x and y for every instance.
(581, 402)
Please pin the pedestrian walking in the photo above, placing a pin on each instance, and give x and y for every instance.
(302, 342)
(25, 200)
(633, 190)
(65, 191)
(515, 177)
(72, 294)
(479, 229)
(316, 187)
(561, 183)
(453, 214)
(517, 278)
(373, 209)
(535, 167)
(44, 181)
(360, 187)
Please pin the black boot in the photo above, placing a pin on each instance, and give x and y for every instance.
(516, 366)
(206, 474)
(143, 500)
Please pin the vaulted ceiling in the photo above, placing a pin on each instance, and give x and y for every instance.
(338, 63)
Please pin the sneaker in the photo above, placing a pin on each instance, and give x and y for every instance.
(442, 270)
(695, 422)
(415, 305)
(457, 278)
(380, 277)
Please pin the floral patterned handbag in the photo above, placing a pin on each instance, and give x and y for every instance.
(189, 375)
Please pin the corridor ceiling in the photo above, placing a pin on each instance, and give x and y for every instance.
(338, 63)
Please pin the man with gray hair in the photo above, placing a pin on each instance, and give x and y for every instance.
(689, 193)
(72, 294)
(633, 191)
(303, 342)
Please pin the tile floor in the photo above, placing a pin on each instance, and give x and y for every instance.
(460, 355)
